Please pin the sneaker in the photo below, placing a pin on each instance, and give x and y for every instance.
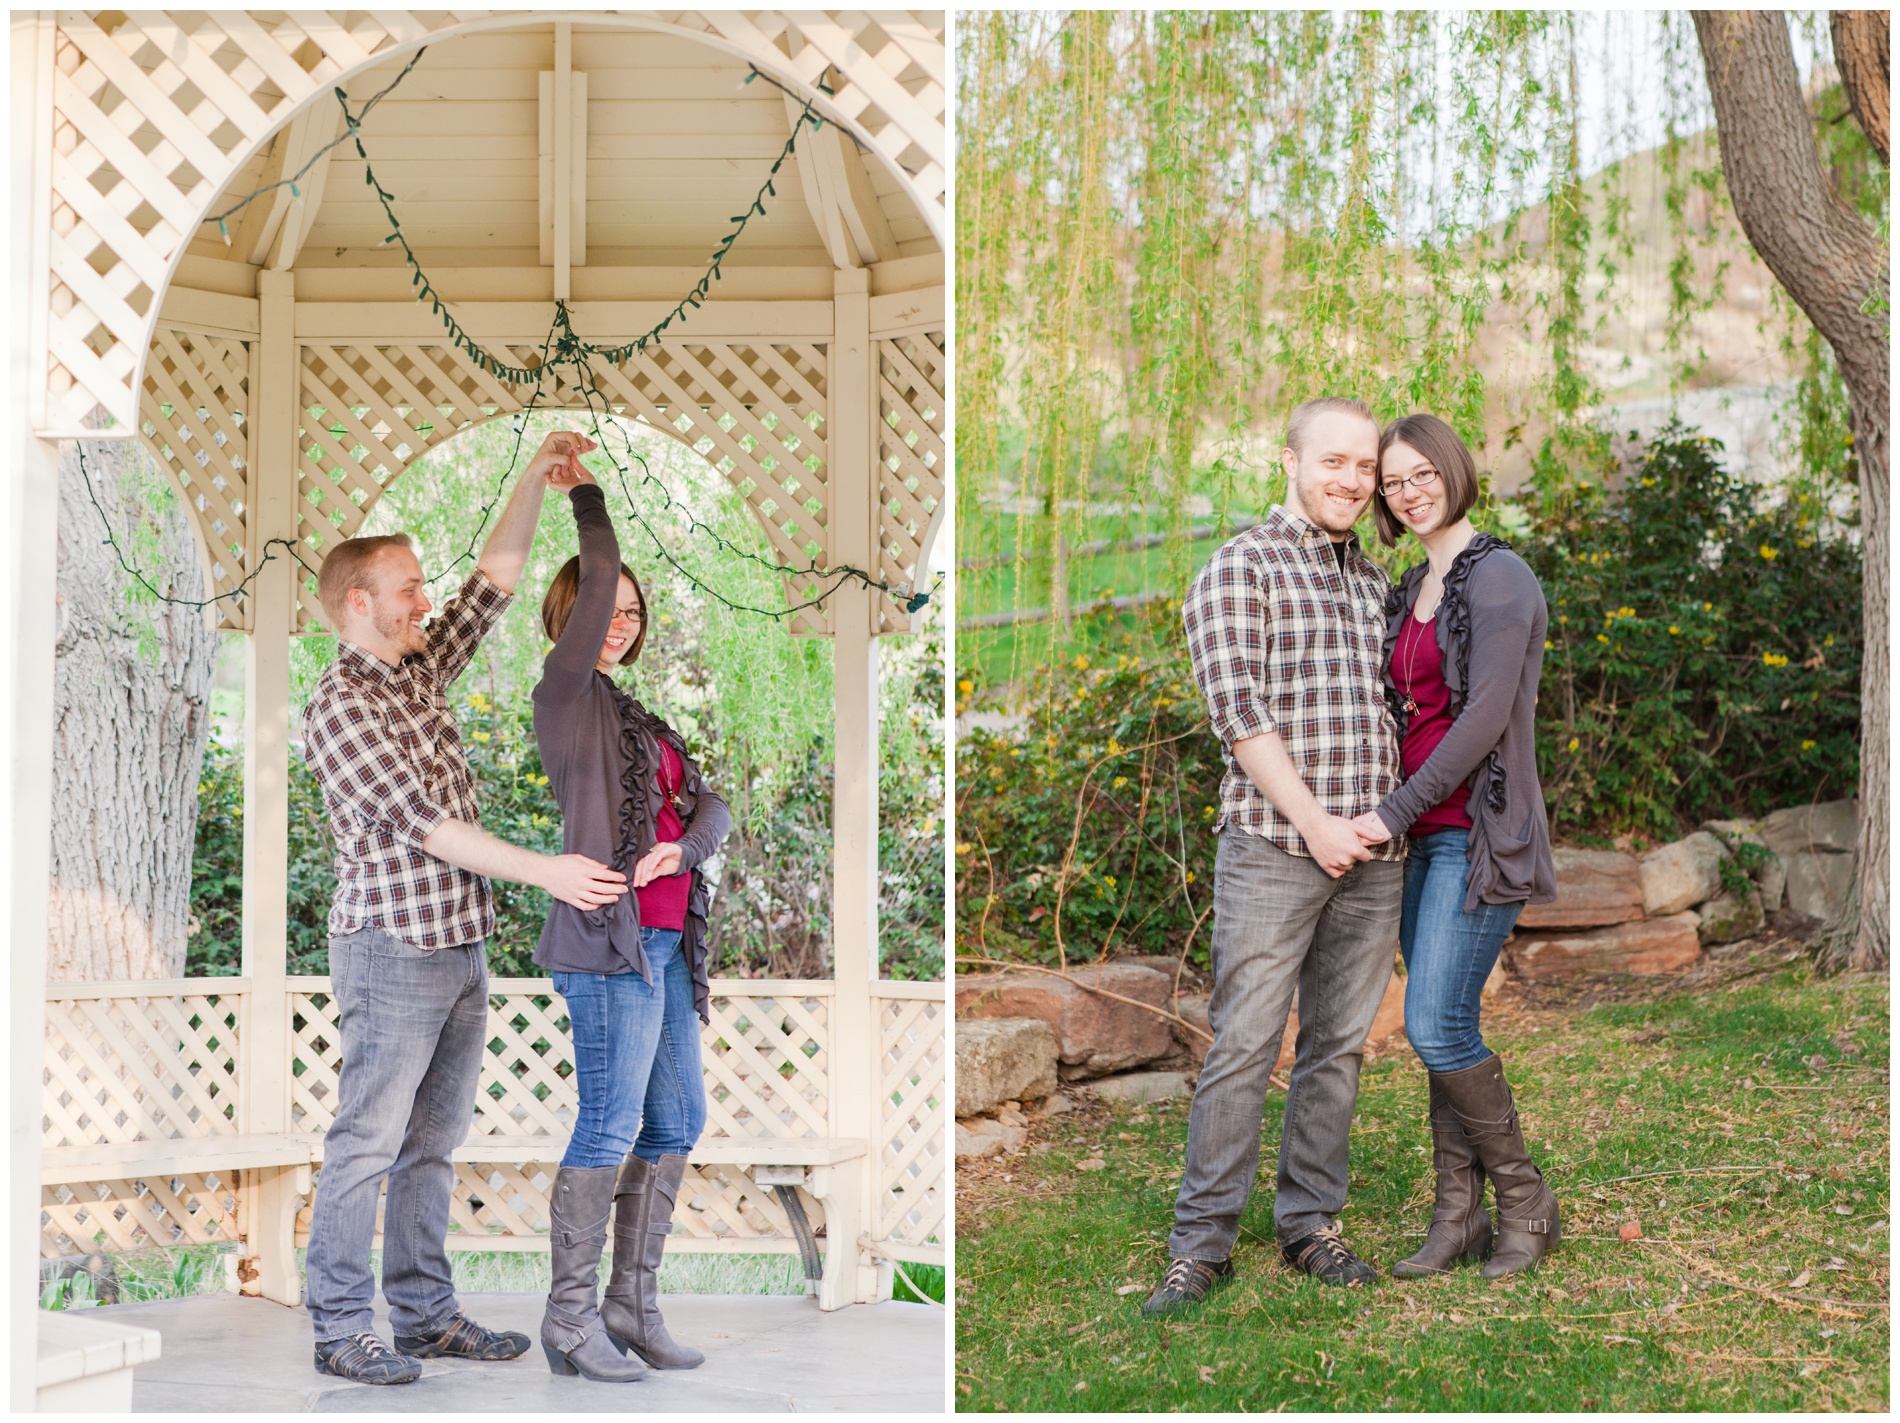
(1326, 1257)
(366, 1359)
(463, 1338)
(1187, 1282)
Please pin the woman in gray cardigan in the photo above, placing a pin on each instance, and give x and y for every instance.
(1463, 649)
(634, 972)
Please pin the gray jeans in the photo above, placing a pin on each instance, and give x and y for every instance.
(1280, 922)
(413, 1028)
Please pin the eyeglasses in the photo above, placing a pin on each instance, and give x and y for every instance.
(1391, 487)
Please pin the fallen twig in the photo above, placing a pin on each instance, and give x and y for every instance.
(1678, 1171)
(1843, 1308)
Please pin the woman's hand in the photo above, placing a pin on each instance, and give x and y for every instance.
(659, 862)
(1371, 829)
(559, 460)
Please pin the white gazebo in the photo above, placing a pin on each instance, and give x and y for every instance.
(281, 368)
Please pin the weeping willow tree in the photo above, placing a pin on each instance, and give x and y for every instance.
(1173, 227)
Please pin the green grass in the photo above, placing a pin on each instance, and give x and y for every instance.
(1701, 1313)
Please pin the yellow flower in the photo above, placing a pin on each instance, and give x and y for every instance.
(1773, 659)
(1114, 747)
(1602, 638)
(1769, 553)
(1119, 782)
(1807, 746)
(1081, 664)
(479, 735)
(1673, 629)
(1111, 881)
(1573, 743)
(478, 701)
(965, 687)
(1190, 879)
(1547, 644)
(1206, 811)
(963, 847)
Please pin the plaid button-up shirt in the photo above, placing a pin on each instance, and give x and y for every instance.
(386, 751)
(1282, 641)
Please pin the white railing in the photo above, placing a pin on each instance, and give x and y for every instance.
(146, 1141)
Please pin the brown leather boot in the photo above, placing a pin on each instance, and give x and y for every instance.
(643, 1217)
(1528, 1223)
(1460, 1231)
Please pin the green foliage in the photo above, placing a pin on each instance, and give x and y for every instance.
(1704, 662)
(1704, 652)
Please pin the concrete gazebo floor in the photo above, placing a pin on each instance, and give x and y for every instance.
(764, 1354)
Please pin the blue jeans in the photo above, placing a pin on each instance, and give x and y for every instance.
(1448, 953)
(636, 1059)
(413, 1024)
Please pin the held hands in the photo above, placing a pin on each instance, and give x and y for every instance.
(581, 882)
(659, 862)
(1371, 828)
(559, 460)
(1336, 844)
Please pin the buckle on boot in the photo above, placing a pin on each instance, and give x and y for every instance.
(1533, 1227)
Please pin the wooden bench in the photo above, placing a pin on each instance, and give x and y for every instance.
(778, 1164)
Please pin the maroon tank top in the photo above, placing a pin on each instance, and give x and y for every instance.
(1419, 675)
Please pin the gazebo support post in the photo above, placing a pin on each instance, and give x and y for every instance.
(849, 1277)
(33, 520)
(272, 1196)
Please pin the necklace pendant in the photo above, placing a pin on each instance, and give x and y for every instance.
(1411, 707)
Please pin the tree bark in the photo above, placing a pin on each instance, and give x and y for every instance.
(1835, 267)
(1860, 53)
(131, 691)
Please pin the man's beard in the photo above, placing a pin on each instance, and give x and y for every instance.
(1320, 510)
(394, 628)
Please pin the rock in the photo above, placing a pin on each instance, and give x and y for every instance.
(1095, 1035)
(1594, 888)
(1003, 1058)
(1770, 874)
(1057, 1105)
(1818, 882)
(1728, 917)
(979, 1137)
(1134, 1087)
(1643, 946)
(1682, 873)
(1494, 980)
(1831, 825)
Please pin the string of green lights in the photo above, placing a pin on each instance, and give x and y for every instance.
(564, 347)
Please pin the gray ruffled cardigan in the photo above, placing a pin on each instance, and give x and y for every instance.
(600, 749)
(1490, 628)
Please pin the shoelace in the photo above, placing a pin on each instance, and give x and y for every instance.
(375, 1348)
(1330, 1242)
(1180, 1275)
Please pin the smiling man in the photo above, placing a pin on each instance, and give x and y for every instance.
(408, 931)
(1286, 625)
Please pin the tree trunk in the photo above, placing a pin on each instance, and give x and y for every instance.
(1835, 267)
(1860, 52)
(131, 692)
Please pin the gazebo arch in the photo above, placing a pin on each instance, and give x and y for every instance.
(283, 374)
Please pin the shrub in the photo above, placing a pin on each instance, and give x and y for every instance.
(1703, 661)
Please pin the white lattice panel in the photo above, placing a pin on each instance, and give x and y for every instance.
(911, 1155)
(766, 1061)
(755, 411)
(911, 465)
(194, 418)
(154, 111)
(196, 1209)
(123, 1069)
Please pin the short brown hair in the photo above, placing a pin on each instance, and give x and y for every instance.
(1446, 453)
(1304, 415)
(559, 603)
(347, 566)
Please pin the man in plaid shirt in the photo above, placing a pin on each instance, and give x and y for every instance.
(413, 910)
(1286, 626)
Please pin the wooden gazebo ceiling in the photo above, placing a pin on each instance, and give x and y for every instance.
(677, 145)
